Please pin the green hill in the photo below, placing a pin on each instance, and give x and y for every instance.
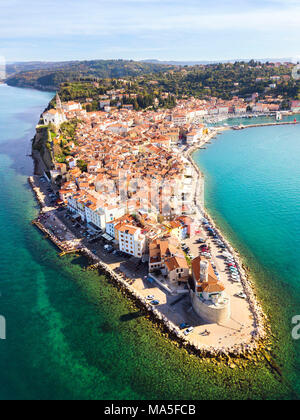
(51, 75)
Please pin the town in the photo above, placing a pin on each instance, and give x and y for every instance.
(126, 180)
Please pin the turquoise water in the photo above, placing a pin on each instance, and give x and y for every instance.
(253, 189)
(73, 335)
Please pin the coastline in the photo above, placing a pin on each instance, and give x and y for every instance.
(33, 87)
(261, 325)
(254, 347)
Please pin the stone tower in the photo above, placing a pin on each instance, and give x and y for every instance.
(58, 103)
(203, 271)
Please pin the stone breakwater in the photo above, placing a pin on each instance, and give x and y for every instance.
(252, 351)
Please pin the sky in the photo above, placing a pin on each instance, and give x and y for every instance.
(180, 30)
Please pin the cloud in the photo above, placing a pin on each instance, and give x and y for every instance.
(129, 25)
(83, 19)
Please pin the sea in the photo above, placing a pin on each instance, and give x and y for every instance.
(71, 334)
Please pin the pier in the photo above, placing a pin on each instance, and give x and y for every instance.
(242, 127)
(64, 249)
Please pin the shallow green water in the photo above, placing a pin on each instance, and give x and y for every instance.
(71, 334)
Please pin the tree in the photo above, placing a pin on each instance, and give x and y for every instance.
(82, 165)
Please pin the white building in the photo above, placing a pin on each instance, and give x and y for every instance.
(72, 162)
(110, 228)
(118, 128)
(240, 109)
(201, 112)
(131, 240)
(71, 106)
(103, 103)
(55, 117)
(213, 111)
(92, 210)
(179, 119)
(95, 215)
(223, 110)
(194, 136)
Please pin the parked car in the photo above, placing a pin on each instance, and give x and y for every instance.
(188, 331)
(155, 302)
(183, 326)
(241, 295)
(108, 248)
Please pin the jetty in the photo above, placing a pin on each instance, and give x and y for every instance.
(65, 250)
(243, 127)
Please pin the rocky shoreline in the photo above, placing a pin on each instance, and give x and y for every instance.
(253, 350)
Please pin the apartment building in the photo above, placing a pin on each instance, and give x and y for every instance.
(93, 210)
(71, 106)
(131, 240)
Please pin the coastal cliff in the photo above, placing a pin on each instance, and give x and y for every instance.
(42, 150)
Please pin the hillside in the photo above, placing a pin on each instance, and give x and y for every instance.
(152, 80)
(220, 80)
(51, 75)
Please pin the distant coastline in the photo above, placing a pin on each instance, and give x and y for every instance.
(38, 87)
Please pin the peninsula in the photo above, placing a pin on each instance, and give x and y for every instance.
(120, 186)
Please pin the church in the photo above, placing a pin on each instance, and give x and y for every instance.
(55, 116)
